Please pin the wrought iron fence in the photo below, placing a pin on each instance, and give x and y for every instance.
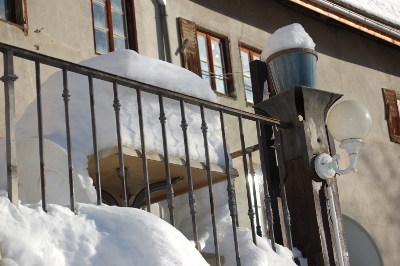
(9, 78)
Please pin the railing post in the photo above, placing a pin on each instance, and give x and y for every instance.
(11, 147)
(121, 171)
(66, 96)
(282, 177)
(94, 138)
(40, 134)
(192, 198)
(267, 197)
(170, 189)
(246, 176)
(144, 156)
(204, 129)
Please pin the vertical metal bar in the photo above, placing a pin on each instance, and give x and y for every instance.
(192, 199)
(267, 198)
(144, 157)
(170, 189)
(94, 138)
(231, 190)
(282, 176)
(66, 97)
(121, 172)
(40, 133)
(252, 173)
(204, 129)
(246, 175)
(11, 147)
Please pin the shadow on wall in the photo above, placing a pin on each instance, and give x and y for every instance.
(362, 249)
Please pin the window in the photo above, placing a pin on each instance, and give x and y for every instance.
(113, 22)
(14, 11)
(212, 61)
(247, 55)
(392, 102)
(206, 54)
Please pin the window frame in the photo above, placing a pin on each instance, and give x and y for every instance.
(130, 25)
(209, 36)
(19, 15)
(392, 105)
(251, 52)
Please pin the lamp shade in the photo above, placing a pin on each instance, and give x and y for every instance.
(349, 120)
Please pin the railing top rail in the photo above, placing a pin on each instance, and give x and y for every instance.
(101, 75)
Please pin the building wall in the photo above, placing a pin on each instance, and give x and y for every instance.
(349, 63)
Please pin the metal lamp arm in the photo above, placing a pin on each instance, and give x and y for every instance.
(334, 165)
(327, 166)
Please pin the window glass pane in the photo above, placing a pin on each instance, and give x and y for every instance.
(4, 9)
(119, 43)
(249, 95)
(204, 66)
(101, 41)
(99, 15)
(117, 4)
(201, 41)
(247, 81)
(118, 23)
(219, 80)
(216, 51)
(245, 62)
(256, 57)
(206, 76)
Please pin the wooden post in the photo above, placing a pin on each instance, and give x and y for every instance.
(305, 109)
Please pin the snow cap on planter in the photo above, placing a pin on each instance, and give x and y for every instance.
(291, 59)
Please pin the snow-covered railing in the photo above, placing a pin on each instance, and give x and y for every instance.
(9, 77)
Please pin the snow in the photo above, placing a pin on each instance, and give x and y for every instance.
(97, 235)
(104, 235)
(290, 36)
(129, 64)
(251, 255)
(388, 10)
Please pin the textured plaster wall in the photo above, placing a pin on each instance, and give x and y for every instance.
(66, 32)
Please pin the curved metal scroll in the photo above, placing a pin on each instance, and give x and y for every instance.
(137, 203)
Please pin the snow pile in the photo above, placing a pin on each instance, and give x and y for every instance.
(98, 235)
(388, 10)
(291, 36)
(250, 254)
(131, 65)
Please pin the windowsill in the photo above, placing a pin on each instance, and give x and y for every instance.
(21, 27)
(225, 95)
(249, 104)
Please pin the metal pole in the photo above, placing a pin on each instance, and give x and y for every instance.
(144, 156)
(252, 173)
(204, 129)
(192, 198)
(94, 137)
(335, 225)
(231, 190)
(11, 146)
(40, 133)
(66, 97)
(246, 175)
(121, 172)
(267, 197)
(170, 189)
(282, 176)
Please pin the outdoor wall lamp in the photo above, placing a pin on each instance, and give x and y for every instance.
(348, 122)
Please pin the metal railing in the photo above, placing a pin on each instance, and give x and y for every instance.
(9, 78)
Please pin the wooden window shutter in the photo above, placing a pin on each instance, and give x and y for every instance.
(393, 115)
(189, 49)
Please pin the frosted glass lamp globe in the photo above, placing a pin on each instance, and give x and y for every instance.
(349, 120)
